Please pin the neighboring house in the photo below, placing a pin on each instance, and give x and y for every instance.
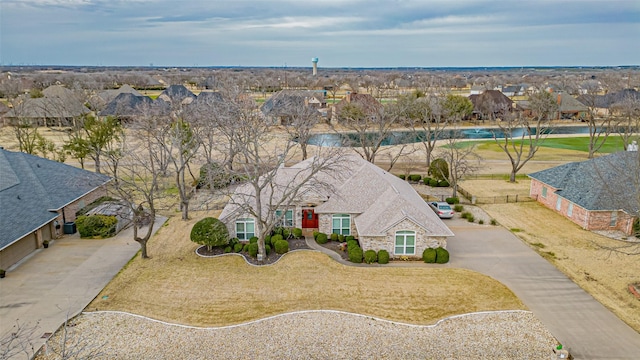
(597, 194)
(513, 90)
(378, 208)
(491, 104)
(100, 100)
(58, 106)
(37, 194)
(366, 102)
(177, 95)
(282, 106)
(569, 107)
(127, 106)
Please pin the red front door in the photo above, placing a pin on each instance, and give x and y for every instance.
(309, 219)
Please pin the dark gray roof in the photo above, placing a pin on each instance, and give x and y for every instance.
(606, 101)
(284, 101)
(176, 94)
(32, 188)
(608, 182)
(127, 104)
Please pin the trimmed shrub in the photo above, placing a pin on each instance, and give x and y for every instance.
(278, 231)
(465, 215)
(281, 246)
(439, 169)
(315, 234)
(452, 200)
(267, 249)
(443, 183)
(352, 244)
(334, 237)
(101, 226)
(297, 233)
(322, 238)
(275, 238)
(286, 233)
(442, 255)
(341, 238)
(383, 257)
(494, 222)
(429, 255)
(238, 248)
(426, 180)
(458, 208)
(433, 183)
(402, 176)
(370, 256)
(355, 254)
(415, 177)
(253, 239)
(245, 247)
(471, 218)
(349, 238)
(233, 242)
(480, 221)
(267, 240)
(227, 249)
(253, 249)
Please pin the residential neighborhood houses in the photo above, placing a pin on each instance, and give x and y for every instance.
(173, 126)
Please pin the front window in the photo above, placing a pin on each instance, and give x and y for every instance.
(570, 210)
(544, 191)
(558, 203)
(614, 218)
(284, 218)
(245, 228)
(341, 224)
(405, 243)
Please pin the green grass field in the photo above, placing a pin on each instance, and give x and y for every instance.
(612, 144)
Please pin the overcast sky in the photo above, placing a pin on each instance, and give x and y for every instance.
(342, 33)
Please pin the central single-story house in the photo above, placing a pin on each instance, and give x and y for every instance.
(381, 210)
(38, 199)
(597, 194)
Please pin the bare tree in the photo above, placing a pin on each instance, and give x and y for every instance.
(426, 120)
(600, 126)
(19, 341)
(302, 119)
(627, 112)
(523, 135)
(261, 155)
(137, 183)
(462, 159)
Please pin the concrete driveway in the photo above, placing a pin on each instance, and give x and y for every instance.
(577, 320)
(59, 282)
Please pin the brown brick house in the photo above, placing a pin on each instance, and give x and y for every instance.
(597, 194)
(37, 194)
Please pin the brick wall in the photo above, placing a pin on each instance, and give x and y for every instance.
(71, 209)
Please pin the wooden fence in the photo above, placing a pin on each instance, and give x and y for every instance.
(503, 199)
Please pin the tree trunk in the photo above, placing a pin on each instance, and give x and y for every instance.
(97, 158)
(512, 176)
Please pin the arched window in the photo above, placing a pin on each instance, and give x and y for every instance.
(405, 242)
(245, 228)
(341, 224)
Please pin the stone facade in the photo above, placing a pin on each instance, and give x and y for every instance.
(589, 220)
(325, 224)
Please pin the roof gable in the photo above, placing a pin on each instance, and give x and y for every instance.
(33, 188)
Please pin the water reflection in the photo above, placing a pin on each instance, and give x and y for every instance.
(408, 137)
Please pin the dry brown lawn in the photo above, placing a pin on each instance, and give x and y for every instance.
(487, 188)
(178, 286)
(578, 253)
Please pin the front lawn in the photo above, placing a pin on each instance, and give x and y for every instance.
(178, 286)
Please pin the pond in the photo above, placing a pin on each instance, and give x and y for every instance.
(408, 137)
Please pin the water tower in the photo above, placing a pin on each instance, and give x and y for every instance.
(315, 65)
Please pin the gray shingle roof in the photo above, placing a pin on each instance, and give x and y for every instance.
(608, 182)
(127, 104)
(32, 188)
(377, 199)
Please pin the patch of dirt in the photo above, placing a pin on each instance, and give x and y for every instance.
(335, 247)
(294, 244)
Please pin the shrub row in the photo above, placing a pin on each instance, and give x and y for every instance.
(102, 226)
(435, 182)
(435, 256)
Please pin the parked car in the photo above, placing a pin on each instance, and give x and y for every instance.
(443, 209)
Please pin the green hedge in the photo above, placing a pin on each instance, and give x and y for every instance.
(334, 237)
(276, 237)
(96, 226)
(402, 176)
(253, 249)
(281, 246)
(210, 232)
(370, 256)
(383, 257)
(433, 183)
(253, 239)
(442, 255)
(429, 255)
(415, 177)
(238, 248)
(443, 183)
(322, 238)
(355, 254)
(427, 180)
(297, 232)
